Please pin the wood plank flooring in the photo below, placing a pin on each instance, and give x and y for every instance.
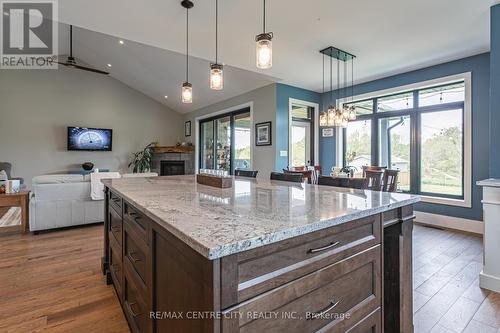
(52, 283)
(447, 297)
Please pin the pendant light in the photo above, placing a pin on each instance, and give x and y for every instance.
(216, 69)
(323, 117)
(331, 109)
(352, 109)
(264, 46)
(187, 88)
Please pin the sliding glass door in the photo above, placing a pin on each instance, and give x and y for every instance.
(225, 142)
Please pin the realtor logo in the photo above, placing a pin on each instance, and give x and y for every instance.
(29, 35)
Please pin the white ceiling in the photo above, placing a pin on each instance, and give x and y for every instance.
(388, 36)
(156, 72)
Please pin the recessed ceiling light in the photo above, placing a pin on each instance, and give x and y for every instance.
(109, 65)
(166, 96)
(121, 42)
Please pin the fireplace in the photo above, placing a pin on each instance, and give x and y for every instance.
(172, 168)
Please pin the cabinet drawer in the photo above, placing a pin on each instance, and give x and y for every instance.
(116, 267)
(321, 301)
(115, 202)
(135, 307)
(269, 267)
(134, 254)
(138, 221)
(115, 226)
(371, 324)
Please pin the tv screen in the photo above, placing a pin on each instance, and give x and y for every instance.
(91, 139)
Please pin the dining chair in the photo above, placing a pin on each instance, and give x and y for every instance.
(372, 168)
(246, 173)
(306, 174)
(354, 183)
(373, 180)
(390, 180)
(287, 177)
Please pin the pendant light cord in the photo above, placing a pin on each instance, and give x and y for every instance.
(71, 41)
(331, 82)
(352, 79)
(216, 31)
(264, 21)
(187, 44)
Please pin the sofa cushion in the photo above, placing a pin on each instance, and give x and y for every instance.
(58, 179)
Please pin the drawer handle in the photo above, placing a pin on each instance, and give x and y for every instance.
(132, 312)
(330, 307)
(115, 200)
(131, 256)
(319, 249)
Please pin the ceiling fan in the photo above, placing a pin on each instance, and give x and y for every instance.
(71, 61)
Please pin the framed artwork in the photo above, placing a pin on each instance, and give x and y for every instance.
(187, 128)
(263, 134)
(327, 132)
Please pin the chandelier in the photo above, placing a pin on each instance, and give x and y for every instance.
(341, 115)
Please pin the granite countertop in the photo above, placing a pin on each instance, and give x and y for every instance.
(219, 222)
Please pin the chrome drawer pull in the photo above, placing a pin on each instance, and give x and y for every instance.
(331, 306)
(131, 256)
(132, 312)
(319, 249)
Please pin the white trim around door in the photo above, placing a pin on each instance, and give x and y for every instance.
(316, 128)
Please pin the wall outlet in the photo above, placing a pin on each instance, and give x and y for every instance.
(283, 153)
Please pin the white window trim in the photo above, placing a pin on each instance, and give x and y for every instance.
(467, 78)
(218, 113)
(292, 101)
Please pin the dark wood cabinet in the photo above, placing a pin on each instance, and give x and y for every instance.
(352, 277)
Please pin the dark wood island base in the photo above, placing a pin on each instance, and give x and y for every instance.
(353, 277)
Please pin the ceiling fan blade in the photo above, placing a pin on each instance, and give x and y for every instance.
(90, 69)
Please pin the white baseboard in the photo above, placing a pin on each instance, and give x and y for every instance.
(449, 222)
(489, 282)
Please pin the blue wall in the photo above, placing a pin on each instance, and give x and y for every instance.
(495, 92)
(480, 67)
(283, 94)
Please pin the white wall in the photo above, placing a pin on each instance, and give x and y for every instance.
(264, 106)
(36, 106)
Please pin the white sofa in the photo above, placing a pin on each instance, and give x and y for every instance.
(64, 200)
(61, 201)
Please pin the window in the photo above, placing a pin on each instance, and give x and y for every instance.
(420, 132)
(358, 144)
(301, 134)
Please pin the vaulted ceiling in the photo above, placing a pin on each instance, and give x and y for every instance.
(388, 36)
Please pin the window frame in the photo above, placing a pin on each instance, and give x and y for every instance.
(415, 113)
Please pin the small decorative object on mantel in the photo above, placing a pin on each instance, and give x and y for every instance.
(87, 166)
(215, 180)
(187, 128)
(263, 134)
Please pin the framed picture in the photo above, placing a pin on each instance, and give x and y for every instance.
(187, 128)
(327, 132)
(263, 134)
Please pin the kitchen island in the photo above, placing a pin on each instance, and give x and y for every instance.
(262, 256)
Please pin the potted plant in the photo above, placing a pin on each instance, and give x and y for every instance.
(349, 170)
(141, 160)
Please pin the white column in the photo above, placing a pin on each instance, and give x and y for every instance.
(490, 276)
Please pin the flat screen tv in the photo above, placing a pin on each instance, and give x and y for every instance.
(90, 139)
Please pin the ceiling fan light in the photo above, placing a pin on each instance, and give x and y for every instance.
(216, 77)
(187, 92)
(264, 50)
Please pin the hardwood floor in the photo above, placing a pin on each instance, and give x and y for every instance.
(447, 297)
(41, 292)
(52, 283)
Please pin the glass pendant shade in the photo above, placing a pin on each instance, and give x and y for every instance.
(323, 119)
(187, 93)
(216, 77)
(352, 113)
(331, 116)
(264, 51)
